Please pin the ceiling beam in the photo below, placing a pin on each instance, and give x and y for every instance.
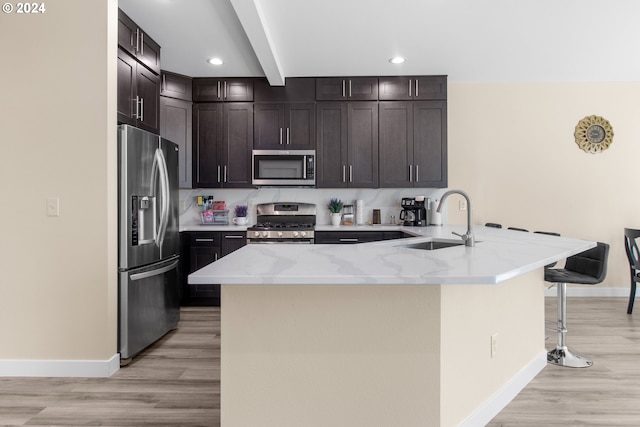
(250, 15)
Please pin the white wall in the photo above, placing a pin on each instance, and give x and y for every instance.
(58, 292)
(511, 147)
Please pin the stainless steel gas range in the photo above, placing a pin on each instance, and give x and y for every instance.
(283, 223)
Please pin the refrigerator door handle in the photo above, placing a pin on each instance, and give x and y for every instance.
(156, 272)
(165, 194)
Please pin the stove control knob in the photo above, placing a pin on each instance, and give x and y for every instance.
(279, 233)
(295, 234)
(256, 233)
(265, 233)
(303, 234)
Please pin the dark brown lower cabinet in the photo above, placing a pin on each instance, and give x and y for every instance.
(201, 248)
(350, 237)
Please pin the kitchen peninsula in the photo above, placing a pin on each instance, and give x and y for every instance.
(382, 333)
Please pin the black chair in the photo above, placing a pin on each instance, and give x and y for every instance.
(586, 268)
(631, 247)
(517, 229)
(493, 224)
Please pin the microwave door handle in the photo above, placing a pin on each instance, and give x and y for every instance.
(304, 167)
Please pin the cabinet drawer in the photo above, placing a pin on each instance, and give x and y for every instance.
(206, 239)
(176, 86)
(347, 237)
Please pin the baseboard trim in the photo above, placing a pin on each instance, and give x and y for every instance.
(507, 393)
(60, 368)
(589, 291)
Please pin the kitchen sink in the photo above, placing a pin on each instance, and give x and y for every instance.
(433, 245)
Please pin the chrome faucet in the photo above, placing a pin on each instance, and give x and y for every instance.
(467, 238)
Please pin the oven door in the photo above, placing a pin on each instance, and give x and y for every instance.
(283, 168)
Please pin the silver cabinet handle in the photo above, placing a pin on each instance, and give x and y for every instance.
(233, 237)
(350, 173)
(218, 173)
(410, 173)
(349, 88)
(204, 240)
(288, 140)
(417, 166)
(215, 257)
(137, 40)
(225, 173)
(344, 177)
(280, 136)
(409, 88)
(136, 114)
(416, 87)
(164, 82)
(142, 109)
(225, 89)
(141, 43)
(219, 89)
(344, 90)
(344, 239)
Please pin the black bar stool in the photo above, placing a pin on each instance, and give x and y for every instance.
(586, 268)
(631, 247)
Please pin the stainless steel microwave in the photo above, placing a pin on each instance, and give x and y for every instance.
(290, 168)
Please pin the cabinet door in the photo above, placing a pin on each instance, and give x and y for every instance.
(207, 138)
(149, 53)
(127, 37)
(176, 125)
(212, 89)
(362, 140)
(430, 143)
(232, 242)
(238, 142)
(238, 90)
(396, 144)
(430, 87)
(269, 127)
(300, 126)
(126, 88)
(176, 86)
(357, 88)
(204, 249)
(396, 88)
(362, 89)
(332, 145)
(148, 85)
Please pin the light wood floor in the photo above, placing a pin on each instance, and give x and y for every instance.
(176, 382)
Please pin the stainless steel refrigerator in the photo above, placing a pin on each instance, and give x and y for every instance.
(148, 239)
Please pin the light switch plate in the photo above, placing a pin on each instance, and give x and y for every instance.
(53, 206)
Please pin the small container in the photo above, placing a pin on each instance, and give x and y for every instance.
(347, 215)
(376, 216)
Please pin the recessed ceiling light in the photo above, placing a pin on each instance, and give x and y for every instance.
(215, 61)
(397, 60)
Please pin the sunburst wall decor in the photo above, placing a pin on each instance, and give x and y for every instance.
(593, 134)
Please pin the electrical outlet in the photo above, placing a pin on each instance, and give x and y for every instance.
(53, 206)
(462, 205)
(494, 345)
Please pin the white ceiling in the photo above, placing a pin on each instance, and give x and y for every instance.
(468, 40)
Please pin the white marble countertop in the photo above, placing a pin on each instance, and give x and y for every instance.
(499, 255)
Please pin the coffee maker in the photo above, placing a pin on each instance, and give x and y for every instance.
(414, 211)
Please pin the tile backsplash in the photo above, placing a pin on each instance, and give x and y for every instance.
(387, 200)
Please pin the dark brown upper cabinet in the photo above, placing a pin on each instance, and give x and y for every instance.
(412, 88)
(413, 144)
(347, 145)
(222, 90)
(222, 143)
(138, 94)
(284, 126)
(176, 86)
(139, 44)
(348, 88)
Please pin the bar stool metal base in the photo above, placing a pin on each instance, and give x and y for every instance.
(563, 356)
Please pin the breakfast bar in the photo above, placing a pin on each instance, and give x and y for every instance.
(419, 331)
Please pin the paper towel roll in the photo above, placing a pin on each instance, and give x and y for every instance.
(359, 212)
